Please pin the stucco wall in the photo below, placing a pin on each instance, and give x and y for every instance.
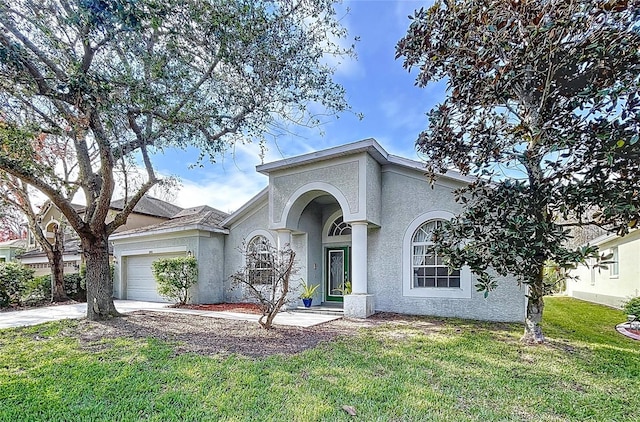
(343, 175)
(134, 221)
(405, 196)
(600, 286)
(373, 190)
(256, 222)
(210, 255)
(310, 263)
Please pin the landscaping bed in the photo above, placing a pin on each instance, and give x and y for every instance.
(214, 336)
(247, 308)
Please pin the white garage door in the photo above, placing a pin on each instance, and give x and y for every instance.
(140, 282)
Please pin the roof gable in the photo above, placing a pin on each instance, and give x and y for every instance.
(370, 146)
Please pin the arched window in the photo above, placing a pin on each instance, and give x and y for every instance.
(339, 228)
(427, 267)
(260, 260)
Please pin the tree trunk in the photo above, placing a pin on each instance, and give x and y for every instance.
(532, 330)
(58, 293)
(55, 256)
(99, 281)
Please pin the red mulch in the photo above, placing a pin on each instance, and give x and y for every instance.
(247, 308)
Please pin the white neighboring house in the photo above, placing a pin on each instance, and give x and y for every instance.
(351, 213)
(620, 281)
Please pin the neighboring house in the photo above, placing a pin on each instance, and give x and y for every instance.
(620, 281)
(351, 213)
(147, 212)
(11, 248)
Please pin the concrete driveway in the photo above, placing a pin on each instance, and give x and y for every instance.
(74, 311)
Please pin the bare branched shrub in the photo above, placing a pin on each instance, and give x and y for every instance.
(265, 278)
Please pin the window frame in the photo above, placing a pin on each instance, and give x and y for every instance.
(464, 291)
(430, 265)
(614, 268)
(265, 265)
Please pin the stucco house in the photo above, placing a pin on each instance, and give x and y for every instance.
(351, 213)
(620, 281)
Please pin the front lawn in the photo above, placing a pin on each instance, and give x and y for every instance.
(404, 370)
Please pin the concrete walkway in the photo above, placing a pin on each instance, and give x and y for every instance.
(79, 310)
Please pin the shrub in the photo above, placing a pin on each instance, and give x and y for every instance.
(174, 277)
(37, 290)
(272, 295)
(632, 307)
(13, 281)
(75, 287)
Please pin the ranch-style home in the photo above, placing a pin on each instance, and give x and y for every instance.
(351, 213)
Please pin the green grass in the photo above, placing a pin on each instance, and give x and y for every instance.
(464, 371)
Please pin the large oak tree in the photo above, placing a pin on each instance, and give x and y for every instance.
(543, 105)
(130, 77)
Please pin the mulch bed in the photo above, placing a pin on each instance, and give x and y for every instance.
(247, 308)
(208, 336)
(215, 336)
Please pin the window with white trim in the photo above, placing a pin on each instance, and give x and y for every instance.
(339, 228)
(427, 266)
(614, 267)
(260, 260)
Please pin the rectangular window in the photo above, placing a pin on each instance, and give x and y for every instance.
(614, 267)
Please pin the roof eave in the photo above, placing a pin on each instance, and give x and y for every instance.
(417, 165)
(154, 232)
(369, 145)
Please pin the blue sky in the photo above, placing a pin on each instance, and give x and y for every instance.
(376, 85)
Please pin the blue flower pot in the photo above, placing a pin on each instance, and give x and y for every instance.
(307, 302)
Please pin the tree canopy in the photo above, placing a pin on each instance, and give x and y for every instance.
(543, 105)
(127, 78)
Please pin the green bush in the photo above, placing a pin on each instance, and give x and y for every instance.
(174, 277)
(632, 307)
(14, 279)
(37, 290)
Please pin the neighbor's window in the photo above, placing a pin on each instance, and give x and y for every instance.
(614, 267)
(260, 261)
(427, 267)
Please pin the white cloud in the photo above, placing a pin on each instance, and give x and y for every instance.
(226, 192)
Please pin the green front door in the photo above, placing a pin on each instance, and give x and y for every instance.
(337, 272)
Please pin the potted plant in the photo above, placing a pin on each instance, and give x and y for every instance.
(307, 293)
(344, 289)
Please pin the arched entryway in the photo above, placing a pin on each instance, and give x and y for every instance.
(331, 248)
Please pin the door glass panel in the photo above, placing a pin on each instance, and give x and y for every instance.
(336, 272)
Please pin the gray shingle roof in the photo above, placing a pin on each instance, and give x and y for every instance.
(203, 216)
(150, 206)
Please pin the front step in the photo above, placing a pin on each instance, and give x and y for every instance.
(322, 310)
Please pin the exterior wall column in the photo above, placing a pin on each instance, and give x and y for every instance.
(284, 238)
(359, 257)
(284, 242)
(359, 304)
